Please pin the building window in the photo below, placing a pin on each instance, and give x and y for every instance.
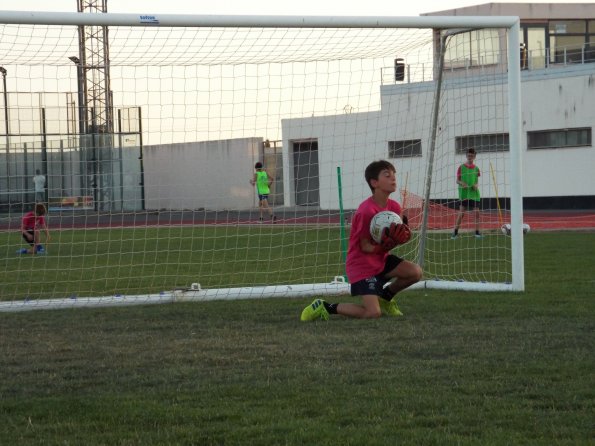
(571, 41)
(555, 139)
(473, 48)
(404, 149)
(489, 142)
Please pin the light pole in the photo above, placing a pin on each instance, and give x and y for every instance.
(81, 94)
(82, 130)
(3, 71)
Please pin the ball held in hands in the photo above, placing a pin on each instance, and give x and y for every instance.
(389, 230)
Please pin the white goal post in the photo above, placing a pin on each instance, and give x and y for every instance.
(148, 133)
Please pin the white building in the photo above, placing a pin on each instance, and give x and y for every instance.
(558, 115)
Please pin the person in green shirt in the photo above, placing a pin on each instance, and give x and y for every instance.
(263, 181)
(467, 179)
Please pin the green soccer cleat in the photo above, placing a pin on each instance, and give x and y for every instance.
(389, 308)
(315, 311)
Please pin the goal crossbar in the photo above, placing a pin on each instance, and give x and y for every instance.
(265, 21)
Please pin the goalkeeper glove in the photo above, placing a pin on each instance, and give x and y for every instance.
(399, 233)
(387, 243)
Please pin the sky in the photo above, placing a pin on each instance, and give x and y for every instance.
(263, 7)
(352, 99)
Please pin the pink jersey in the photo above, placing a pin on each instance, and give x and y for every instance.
(361, 265)
(31, 222)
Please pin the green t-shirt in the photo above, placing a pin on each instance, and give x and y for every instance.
(469, 176)
(262, 183)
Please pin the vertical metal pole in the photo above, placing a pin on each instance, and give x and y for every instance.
(429, 172)
(44, 153)
(82, 126)
(120, 159)
(140, 157)
(94, 160)
(516, 159)
(61, 171)
(6, 128)
(342, 218)
(24, 194)
(81, 98)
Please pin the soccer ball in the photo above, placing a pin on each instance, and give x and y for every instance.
(506, 228)
(380, 221)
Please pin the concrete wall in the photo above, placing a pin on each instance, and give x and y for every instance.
(209, 175)
(559, 103)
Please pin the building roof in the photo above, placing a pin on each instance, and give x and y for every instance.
(527, 11)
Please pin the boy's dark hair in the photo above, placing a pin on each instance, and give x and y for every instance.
(40, 209)
(472, 150)
(373, 171)
(258, 165)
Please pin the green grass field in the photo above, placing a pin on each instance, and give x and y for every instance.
(458, 368)
(147, 260)
(150, 260)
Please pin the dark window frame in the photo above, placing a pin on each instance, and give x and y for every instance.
(532, 144)
(483, 143)
(406, 148)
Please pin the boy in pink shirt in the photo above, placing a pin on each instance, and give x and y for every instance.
(370, 266)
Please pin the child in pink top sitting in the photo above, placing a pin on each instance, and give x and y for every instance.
(370, 266)
(31, 225)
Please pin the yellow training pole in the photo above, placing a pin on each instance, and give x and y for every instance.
(496, 189)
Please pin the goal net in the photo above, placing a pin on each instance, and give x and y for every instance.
(147, 129)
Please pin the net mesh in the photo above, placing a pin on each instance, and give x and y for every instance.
(155, 194)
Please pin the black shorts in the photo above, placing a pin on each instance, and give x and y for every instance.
(31, 239)
(375, 284)
(469, 204)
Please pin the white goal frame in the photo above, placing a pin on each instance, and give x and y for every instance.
(511, 23)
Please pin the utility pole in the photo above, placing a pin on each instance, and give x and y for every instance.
(97, 107)
(7, 130)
